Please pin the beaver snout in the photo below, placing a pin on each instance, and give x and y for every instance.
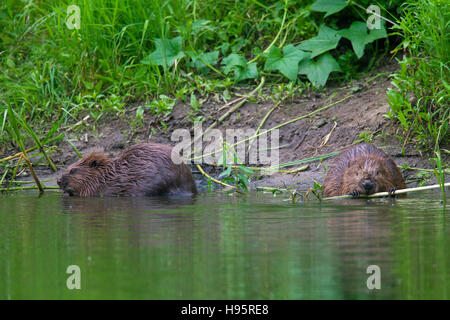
(61, 183)
(368, 187)
(64, 185)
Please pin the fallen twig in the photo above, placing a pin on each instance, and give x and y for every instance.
(384, 194)
(199, 167)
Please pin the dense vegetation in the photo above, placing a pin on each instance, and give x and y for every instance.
(159, 51)
(421, 96)
(136, 50)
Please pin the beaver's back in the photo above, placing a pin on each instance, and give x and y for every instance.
(149, 169)
(145, 169)
(333, 186)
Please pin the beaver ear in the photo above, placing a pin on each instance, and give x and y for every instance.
(94, 164)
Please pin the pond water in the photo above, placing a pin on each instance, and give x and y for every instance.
(217, 246)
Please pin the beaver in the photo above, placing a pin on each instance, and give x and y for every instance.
(144, 169)
(362, 169)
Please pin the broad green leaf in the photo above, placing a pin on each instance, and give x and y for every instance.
(376, 34)
(201, 26)
(357, 34)
(326, 40)
(233, 60)
(166, 52)
(318, 71)
(198, 60)
(329, 6)
(242, 70)
(224, 48)
(286, 63)
(248, 72)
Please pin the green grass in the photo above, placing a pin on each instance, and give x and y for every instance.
(420, 99)
(421, 95)
(50, 72)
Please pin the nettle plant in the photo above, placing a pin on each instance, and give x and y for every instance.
(312, 57)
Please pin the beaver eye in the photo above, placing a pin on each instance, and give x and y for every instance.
(94, 164)
(73, 171)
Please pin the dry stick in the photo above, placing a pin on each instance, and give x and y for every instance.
(270, 169)
(27, 150)
(28, 188)
(29, 181)
(230, 103)
(278, 126)
(38, 183)
(375, 195)
(374, 13)
(17, 155)
(262, 123)
(68, 128)
(384, 194)
(14, 173)
(303, 168)
(422, 169)
(199, 167)
(271, 189)
(327, 137)
(3, 177)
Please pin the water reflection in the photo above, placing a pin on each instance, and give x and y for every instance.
(223, 247)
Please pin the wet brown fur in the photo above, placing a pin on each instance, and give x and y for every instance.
(145, 169)
(360, 164)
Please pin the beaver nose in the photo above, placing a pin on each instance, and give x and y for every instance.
(61, 183)
(368, 186)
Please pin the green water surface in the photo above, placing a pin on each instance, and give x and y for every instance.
(217, 246)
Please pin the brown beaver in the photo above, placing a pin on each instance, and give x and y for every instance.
(362, 169)
(145, 169)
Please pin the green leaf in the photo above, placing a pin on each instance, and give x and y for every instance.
(224, 48)
(318, 71)
(329, 6)
(376, 34)
(248, 72)
(233, 60)
(286, 63)
(199, 59)
(10, 63)
(242, 70)
(166, 52)
(357, 34)
(140, 113)
(326, 40)
(201, 26)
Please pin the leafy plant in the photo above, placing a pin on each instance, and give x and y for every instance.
(242, 69)
(419, 99)
(234, 173)
(166, 53)
(285, 61)
(161, 106)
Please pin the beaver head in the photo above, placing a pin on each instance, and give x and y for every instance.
(86, 176)
(366, 176)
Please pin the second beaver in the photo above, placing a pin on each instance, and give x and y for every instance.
(145, 169)
(362, 169)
